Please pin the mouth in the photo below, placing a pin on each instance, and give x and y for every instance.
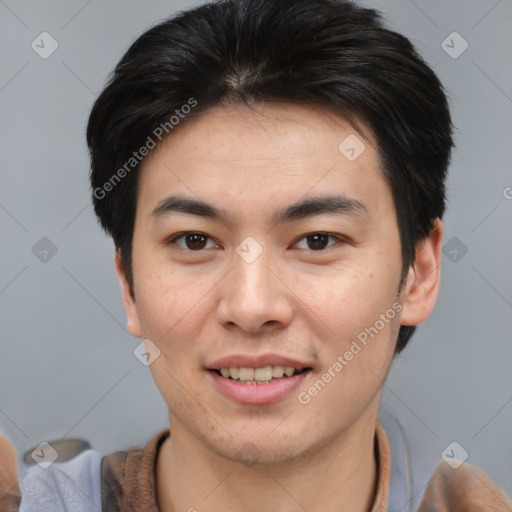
(258, 386)
(259, 376)
(258, 379)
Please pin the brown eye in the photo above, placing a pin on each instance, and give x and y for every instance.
(317, 241)
(193, 241)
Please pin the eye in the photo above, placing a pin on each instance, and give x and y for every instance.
(193, 241)
(318, 241)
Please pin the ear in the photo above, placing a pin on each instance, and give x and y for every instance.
(130, 305)
(422, 286)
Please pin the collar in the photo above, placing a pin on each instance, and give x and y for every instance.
(129, 478)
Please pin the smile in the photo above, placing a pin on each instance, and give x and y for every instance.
(256, 386)
(263, 375)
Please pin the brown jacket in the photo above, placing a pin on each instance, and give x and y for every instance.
(128, 482)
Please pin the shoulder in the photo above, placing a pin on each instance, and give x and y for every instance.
(91, 481)
(128, 477)
(422, 482)
(465, 488)
(62, 486)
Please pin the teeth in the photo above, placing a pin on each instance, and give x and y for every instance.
(289, 371)
(277, 371)
(264, 374)
(245, 373)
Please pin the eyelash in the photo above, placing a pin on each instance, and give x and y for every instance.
(173, 239)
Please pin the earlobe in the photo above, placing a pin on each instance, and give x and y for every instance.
(423, 281)
(130, 304)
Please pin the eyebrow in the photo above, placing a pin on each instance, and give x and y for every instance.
(330, 204)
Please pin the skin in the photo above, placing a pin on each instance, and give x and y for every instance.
(197, 305)
(9, 490)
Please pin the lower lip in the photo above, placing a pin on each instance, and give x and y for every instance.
(257, 394)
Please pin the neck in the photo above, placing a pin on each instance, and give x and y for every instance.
(340, 475)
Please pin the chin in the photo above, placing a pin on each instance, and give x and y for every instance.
(261, 450)
(252, 455)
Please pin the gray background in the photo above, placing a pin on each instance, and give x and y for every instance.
(67, 367)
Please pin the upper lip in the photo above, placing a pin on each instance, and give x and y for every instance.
(248, 361)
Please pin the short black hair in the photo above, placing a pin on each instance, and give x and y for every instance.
(330, 53)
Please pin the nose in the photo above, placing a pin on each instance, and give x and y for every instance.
(254, 296)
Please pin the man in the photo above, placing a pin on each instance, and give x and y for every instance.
(273, 177)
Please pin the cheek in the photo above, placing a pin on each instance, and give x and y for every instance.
(165, 299)
(355, 365)
(172, 311)
(350, 298)
(356, 318)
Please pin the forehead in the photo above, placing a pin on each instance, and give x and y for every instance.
(275, 152)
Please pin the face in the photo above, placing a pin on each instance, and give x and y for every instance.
(292, 261)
